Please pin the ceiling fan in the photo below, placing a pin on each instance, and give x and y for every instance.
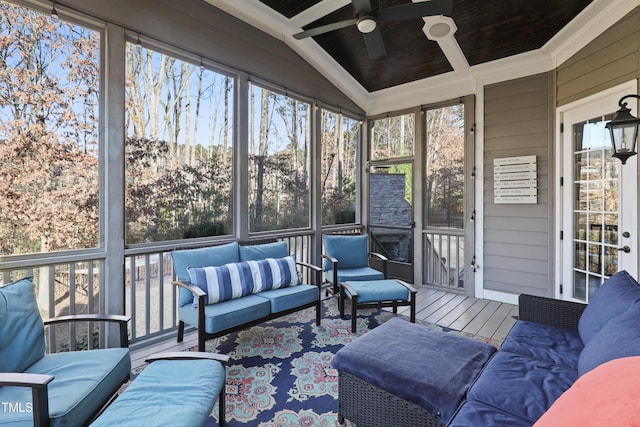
(367, 14)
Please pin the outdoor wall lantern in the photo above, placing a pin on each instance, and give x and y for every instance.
(624, 131)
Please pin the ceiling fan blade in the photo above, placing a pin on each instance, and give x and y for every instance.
(324, 29)
(375, 44)
(362, 7)
(415, 10)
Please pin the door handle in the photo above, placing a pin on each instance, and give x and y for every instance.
(625, 249)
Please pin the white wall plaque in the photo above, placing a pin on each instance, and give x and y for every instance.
(515, 180)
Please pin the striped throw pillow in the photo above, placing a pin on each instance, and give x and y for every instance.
(239, 279)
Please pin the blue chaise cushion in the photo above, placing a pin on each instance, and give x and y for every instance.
(21, 329)
(202, 257)
(350, 251)
(168, 393)
(613, 298)
(266, 250)
(620, 337)
(236, 280)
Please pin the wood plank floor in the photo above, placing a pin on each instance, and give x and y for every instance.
(489, 319)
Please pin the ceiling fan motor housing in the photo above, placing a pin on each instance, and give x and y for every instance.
(366, 24)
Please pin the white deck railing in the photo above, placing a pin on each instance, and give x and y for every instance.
(74, 284)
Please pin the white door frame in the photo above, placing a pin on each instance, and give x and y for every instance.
(602, 103)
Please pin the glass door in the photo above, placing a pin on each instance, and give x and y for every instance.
(391, 192)
(599, 204)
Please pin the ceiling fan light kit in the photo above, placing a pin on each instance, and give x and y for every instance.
(368, 15)
(366, 24)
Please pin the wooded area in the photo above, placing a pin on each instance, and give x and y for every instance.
(179, 147)
(49, 80)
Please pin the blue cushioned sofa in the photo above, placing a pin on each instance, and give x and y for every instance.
(248, 306)
(551, 345)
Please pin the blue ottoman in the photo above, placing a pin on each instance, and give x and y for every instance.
(377, 294)
(405, 374)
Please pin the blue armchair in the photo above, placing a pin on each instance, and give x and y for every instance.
(346, 258)
(59, 389)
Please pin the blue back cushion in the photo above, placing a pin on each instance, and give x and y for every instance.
(236, 280)
(21, 328)
(620, 337)
(350, 251)
(214, 255)
(613, 298)
(267, 250)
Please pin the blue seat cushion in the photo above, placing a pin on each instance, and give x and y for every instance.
(620, 337)
(613, 297)
(21, 329)
(354, 274)
(266, 250)
(521, 386)
(432, 369)
(477, 414)
(227, 314)
(201, 257)
(84, 381)
(546, 343)
(378, 290)
(287, 298)
(167, 393)
(350, 251)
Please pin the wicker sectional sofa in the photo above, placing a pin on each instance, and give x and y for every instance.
(551, 345)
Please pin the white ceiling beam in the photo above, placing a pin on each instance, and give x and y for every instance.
(442, 29)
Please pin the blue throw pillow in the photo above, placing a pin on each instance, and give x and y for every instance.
(351, 251)
(201, 257)
(613, 298)
(620, 337)
(236, 280)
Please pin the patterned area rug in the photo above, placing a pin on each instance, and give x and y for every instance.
(280, 371)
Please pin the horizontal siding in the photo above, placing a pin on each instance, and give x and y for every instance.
(611, 59)
(513, 224)
(530, 263)
(516, 237)
(506, 280)
(523, 251)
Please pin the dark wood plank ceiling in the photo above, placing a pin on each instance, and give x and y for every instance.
(290, 8)
(493, 30)
(409, 52)
(487, 30)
